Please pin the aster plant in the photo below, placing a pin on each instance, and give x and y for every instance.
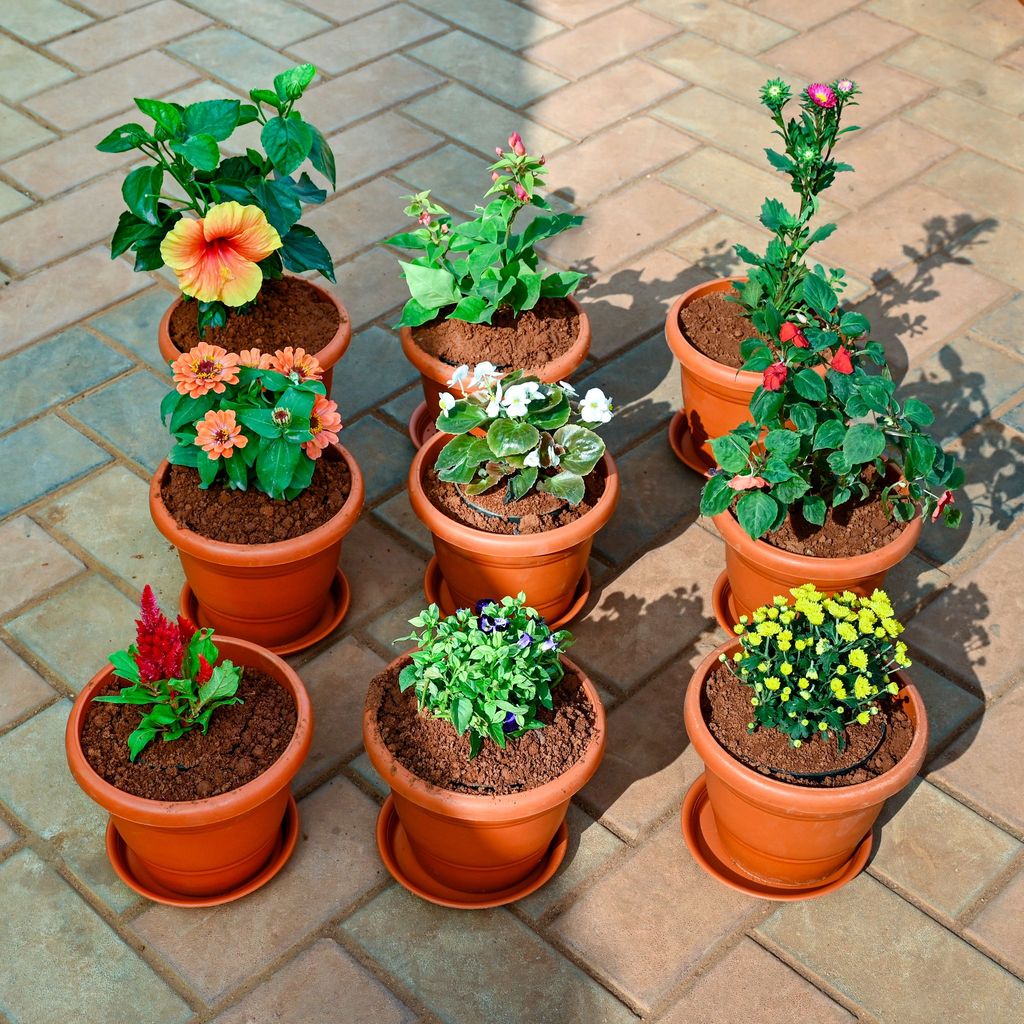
(251, 419)
(470, 271)
(487, 671)
(173, 671)
(223, 224)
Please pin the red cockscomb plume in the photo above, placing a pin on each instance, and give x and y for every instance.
(205, 671)
(158, 642)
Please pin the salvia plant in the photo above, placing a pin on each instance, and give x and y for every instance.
(223, 224)
(487, 671)
(172, 668)
(470, 271)
(252, 419)
(817, 664)
(518, 432)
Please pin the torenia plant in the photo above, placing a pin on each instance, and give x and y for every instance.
(818, 665)
(525, 435)
(488, 672)
(472, 270)
(250, 419)
(173, 668)
(223, 224)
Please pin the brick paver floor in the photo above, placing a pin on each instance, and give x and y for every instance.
(648, 113)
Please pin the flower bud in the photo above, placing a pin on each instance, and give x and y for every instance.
(515, 143)
(425, 219)
(499, 151)
(521, 194)
(495, 175)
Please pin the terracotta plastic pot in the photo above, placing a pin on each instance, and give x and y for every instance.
(327, 356)
(475, 565)
(201, 848)
(283, 595)
(784, 834)
(435, 374)
(476, 844)
(756, 572)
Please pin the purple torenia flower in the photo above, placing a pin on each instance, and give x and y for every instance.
(822, 95)
(549, 644)
(524, 641)
(481, 605)
(510, 724)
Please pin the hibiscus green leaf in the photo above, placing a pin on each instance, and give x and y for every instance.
(717, 495)
(863, 443)
(278, 199)
(201, 151)
(321, 156)
(511, 437)
(123, 138)
(287, 142)
(291, 84)
(131, 229)
(141, 192)
(810, 386)
(756, 512)
(216, 118)
(301, 249)
(166, 115)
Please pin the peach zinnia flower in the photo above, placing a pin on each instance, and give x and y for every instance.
(254, 358)
(215, 258)
(218, 434)
(296, 360)
(204, 368)
(324, 424)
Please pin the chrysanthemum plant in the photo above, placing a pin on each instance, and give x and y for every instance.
(250, 419)
(172, 668)
(817, 665)
(223, 224)
(518, 432)
(488, 672)
(471, 270)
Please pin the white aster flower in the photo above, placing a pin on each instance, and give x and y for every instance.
(446, 401)
(532, 458)
(596, 407)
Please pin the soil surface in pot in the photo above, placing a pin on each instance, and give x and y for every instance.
(716, 328)
(434, 752)
(536, 337)
(536, 513)
(288, 312)
(250, 517)
(725, 705)
(243, 741)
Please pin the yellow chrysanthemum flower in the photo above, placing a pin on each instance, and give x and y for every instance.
(768, 628)
(858, 658)
(863, 718)
(847, 632)
(861, 688)
(786, 669)
(773, 682)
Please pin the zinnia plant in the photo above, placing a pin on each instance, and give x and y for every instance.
(250, 419)
(172, 668)
(820, 664)
(469, 271)
(525, 435)
(488, 672)
(223, 224)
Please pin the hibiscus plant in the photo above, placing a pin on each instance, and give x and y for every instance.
(517, 431)
(173, 669)
(223, 224)
(470, 271)
(250, 419)
(488, 672)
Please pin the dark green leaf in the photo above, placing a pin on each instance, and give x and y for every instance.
(511, 437)
(583, 448)
(853, 325)
(141, 191)
(322, 157)
(279, 201)
(301, 250)
(570, 487)
(783, 443)
(917, 412)
(717, 495)
(130, 229)
(123, 138)
(520, 484)
(863, 443)
(818, 295)
(287, 143)
(461, 418)
(216, 118)
(765, 405)
(200, 151)
(165, 114)
(731, 453)
(829, 435)
(813, 509)
(208, 469)
(275, 465)
(756, 511)
(810, 386)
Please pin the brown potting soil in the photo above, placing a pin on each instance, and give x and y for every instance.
(716, 327)
(250, 517)
(725, 705)
(288, 311)
(536, 513)
(243, 741)
(535, 337)
(432, 750)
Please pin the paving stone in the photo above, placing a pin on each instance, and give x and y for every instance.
(911, 581)
(371, 285)
(274, 22)
(398, 514)
(722, 21)
(382, 454)
(323, 984)
(335, 862)
(797, 14)
(456, 179)
(533, 983)
(987, 29)
(572, 12)
(402, 406)
(735, 987)
(982, 183)
(24, 72)
(31, 562)
(1014, 418)
(723, 122)
(364, 769)
(388, 626)
(86, 978)
(709, 244)
(41, 20)
(374, 367)
(11, 201)
(503, 22)
(998, 925)
(344, 10)
(997, 254)
(380, 570)
(374, 146)
(23, 688)
(74, 631)
(337, 680)
(884, 90)
(238, 60)
(359, 218)
(18, 133)
(1001, 324)
(849, 939)
(7, 835)
(135, 324)
(968, 122)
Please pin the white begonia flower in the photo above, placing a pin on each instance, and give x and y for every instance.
(494, 405)
(446, 401)
(460, 374)
(596, 407)
(482, 371)
(516, 406)
(532, 458)
(521, 393)
(568, 388)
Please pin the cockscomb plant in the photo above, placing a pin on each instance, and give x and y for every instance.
(470, 271)
(172, 667)
(250, 419)
(519, 432)
(487, 671)
(817, 665)
(223, 224)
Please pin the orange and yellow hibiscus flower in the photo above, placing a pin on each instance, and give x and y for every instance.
(215, 258)
(219, 435)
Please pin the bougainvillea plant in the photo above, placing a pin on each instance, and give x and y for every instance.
(818, 665)
(173, 668)
(526, 434)
(471, 270)
(488, 671)
(250, 419)
(223, 224)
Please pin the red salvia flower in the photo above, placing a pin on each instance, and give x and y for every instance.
(775, 376)
(841, 362)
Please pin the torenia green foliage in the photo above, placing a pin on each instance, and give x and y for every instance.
(818, 664)
(488, 672)
(469, 271)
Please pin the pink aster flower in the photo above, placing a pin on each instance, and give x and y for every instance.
(822, 95)
(844, 85)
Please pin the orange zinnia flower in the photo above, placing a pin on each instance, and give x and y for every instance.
(295, 360)
(254, 358)
(218, 434)
(324, 424)
(215, 258)
(204, 368)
